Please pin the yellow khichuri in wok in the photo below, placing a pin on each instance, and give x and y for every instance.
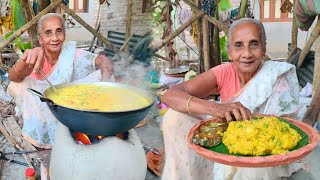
(264, 136)
(98, 98)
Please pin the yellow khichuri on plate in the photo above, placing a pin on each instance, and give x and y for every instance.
(264, 136)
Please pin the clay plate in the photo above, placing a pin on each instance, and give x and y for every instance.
(154, 161)
(258, 161)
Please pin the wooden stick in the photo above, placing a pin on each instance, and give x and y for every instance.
(312, 113)
(29, 24)
(217, 23)
(93, 39)
(161, 57)
(210, 19)
(200, 40)
(16, 145)
(179, 30)
(206, 55)
(89, 28)
(126, 43)
(216, 45)
(294, 35)
(97, 27)
(128, 24)
(14, 56)
(314, 35)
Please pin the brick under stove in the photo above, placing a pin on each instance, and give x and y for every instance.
(110, 158)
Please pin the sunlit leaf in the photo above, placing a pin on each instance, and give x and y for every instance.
(18, 18)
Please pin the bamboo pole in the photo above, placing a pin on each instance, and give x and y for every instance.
(128, 23)
(210, 19)
(161, 57)
(126, 43)
(217, 23)
(243, 8)
(89, 28)
(312, 113)
(200, 40)
(29, 24)
(206, 55)
(97, 27)
(14, 56)
(28, 15)
(294, 35)
(179, 30)
(216, 45)
(314, 35)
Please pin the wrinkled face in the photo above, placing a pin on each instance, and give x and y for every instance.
(52, 35)
(245, 48)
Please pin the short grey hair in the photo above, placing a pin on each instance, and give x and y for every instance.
(46, 16)
(248, 21)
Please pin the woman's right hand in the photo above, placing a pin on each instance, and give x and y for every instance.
(34, 58)
(229, 111)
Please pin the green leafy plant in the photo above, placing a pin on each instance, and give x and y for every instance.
(18, 18)
(18, 22)
(18, 41)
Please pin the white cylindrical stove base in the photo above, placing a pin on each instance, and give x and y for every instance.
(111, 158)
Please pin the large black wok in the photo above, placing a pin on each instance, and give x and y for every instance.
(97, 123)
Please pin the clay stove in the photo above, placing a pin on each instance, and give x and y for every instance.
(110, 158)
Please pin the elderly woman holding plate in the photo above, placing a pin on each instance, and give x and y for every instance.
(247, 85)
(60, 62)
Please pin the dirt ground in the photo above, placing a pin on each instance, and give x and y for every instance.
(151, 136)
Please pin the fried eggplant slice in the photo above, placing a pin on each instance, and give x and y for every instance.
(207, 140)
(213, 128)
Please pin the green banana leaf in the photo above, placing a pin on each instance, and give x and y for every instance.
(221, 148)
(18, 41)
(18, 18)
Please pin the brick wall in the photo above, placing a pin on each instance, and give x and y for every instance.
(113, 18)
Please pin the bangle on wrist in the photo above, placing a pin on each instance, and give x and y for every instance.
(188, 104)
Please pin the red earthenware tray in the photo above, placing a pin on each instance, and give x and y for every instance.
(155, 161)
(258, 161)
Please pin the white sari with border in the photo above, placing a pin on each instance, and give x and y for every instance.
(39, 124)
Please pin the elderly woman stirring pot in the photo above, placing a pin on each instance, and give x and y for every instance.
(61, 62)
(246, 85)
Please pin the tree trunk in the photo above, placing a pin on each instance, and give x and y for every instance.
(312, 112)
(294, 35)
(200, 40)
(206, 53)
(216, 45)
(28, 14)
(314, 35)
